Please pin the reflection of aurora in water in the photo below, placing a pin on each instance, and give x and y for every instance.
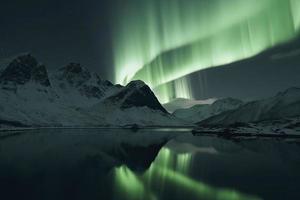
(169, 172)
(162, 41)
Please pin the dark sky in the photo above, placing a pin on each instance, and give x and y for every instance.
(58, 32)
(61, 31)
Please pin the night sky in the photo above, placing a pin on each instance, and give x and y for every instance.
(164, 43)
(58, 32)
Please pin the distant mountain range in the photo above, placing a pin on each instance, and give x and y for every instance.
(200, 112)
(278, 114)
(284, 105)
(182, 103)
(73, 96)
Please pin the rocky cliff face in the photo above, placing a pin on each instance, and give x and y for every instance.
(24, 69)
(136, 94)
(74, 78)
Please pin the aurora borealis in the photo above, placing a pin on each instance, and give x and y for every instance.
(161, 42)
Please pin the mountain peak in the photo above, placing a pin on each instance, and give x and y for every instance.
(23, 69)
(75, 74)
(78, 80)
(289, 95)
(137, 94)
(291, 90)
(228, 101)
(75, 68)
(136, 84)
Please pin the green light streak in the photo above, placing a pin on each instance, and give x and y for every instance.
(169, 170)
(129, 182)
(177, 88)
(129, 186)
(162, 41)
(200, 190)
(295, 5)
(183, 161)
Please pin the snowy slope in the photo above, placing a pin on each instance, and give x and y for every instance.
(181, 103)
(73, 96)
(31, 106)
(284, 105)
(27, 96)
(79, 87)
(135, 104)
(200, 112)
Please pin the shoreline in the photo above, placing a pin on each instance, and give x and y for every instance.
(187, 128)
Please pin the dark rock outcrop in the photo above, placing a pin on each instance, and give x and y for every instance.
(74, 74)
(136, 94)
(86, 83)
(24, 69)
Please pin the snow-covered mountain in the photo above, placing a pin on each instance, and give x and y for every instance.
(79, 87)
(284, 105)
(182, 103)
(72, 96)
(136, 104)
(136, 94)
(200, 112)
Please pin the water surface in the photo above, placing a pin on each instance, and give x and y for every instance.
(147, 164)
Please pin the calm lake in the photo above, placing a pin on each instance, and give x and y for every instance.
(149, 164)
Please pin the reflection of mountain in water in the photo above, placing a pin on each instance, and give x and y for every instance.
(120, 164)
(71, 163)
(168, 178)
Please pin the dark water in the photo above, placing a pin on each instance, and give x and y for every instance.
(147, 164)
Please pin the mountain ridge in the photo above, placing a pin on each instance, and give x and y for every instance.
(73, 96)
(285, 104)
(201, 112)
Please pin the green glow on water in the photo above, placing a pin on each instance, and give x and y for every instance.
(129, 182)
(169, 170)
(199, 190)
(130, 186)
(159, 41)
(183, 161)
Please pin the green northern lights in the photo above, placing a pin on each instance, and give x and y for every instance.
(168, 172)
(162, 41)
